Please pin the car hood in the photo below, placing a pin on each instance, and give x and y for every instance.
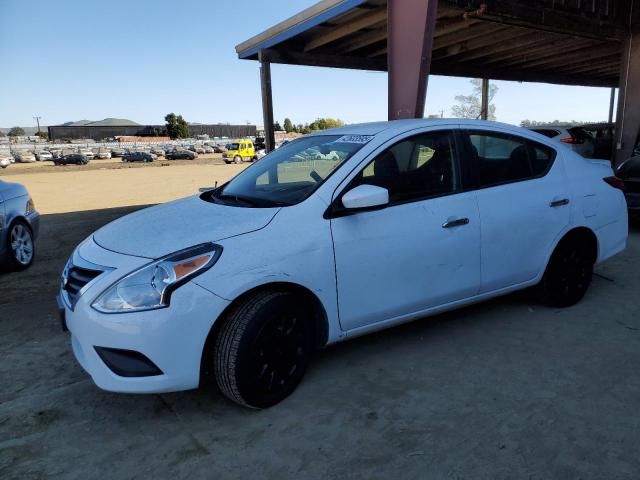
(163, 229)
(10, 190)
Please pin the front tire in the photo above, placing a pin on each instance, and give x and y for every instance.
(263, 349)
(568, 274)
(237, 159)
(20, 246)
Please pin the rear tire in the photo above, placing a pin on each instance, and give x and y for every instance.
(568, 274)
(263, 348)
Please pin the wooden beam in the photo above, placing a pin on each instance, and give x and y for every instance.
(527, 57)
(324, 60)
(377, 53)
(448, 25)
(590, 65)
(267, 102)
(477, 31)
(548, 16)
(363, 40)
(561, 59)
(484, 108)
(519, 75)
(506, 49)
(484, 43)
(365, 21)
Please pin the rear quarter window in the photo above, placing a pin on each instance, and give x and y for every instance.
(547, 132)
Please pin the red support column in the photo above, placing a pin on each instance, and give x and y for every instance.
(410, 27)
(628, 118)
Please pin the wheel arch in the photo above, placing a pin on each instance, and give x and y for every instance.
(582, 234)
(320, 318)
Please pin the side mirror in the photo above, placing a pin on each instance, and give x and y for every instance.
(364, 197)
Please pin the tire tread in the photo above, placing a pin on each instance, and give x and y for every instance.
(228, 343)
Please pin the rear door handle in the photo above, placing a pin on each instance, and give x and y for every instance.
(455, 222)
(560, 202)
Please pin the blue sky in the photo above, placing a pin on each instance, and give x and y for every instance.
(70, 60)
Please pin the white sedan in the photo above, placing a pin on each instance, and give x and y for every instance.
(396, 221)
(576, 138)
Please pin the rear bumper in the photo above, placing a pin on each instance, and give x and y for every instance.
(633, 201)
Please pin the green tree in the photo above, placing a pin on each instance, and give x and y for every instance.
(470, 106)
(177, 127)
(325, 123)
(16, 132)
(277, 127)
(42, 134)
(288, 126)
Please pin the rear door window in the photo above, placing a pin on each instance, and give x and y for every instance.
(500, 158)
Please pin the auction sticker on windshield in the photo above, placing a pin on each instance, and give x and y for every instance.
(354, 139)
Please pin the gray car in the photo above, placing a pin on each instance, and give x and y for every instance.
(19, 224)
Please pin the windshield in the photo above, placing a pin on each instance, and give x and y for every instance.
(291, 173)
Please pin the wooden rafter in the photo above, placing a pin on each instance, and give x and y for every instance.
(367, 20)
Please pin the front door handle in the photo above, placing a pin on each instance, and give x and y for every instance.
(455, 222)
(559, 203)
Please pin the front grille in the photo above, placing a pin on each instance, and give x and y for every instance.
(76, 279)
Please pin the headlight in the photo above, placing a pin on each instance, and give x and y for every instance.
(150, 287)
(31, 207)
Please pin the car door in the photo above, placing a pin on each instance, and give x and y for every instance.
(422, 250)
(523, 201)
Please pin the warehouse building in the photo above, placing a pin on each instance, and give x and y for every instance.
(101, 132)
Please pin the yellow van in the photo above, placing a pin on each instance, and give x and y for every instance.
(240, 151)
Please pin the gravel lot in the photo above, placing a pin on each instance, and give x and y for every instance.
(504, 389)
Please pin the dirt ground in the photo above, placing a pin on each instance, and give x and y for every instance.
(114, 184)
(504, 389)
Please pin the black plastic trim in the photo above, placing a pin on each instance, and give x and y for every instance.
(127, 363)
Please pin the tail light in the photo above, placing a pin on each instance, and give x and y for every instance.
(572, 140)
(615, 182)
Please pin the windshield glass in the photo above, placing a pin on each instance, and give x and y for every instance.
(291, 173)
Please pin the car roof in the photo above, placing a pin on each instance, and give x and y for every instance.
(399, 126)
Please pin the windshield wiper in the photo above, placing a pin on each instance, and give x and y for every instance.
(245, 200)
(237, 199)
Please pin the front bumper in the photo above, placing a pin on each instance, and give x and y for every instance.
(171, 338)
(34, 221)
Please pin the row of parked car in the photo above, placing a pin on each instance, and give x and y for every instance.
(81, 155)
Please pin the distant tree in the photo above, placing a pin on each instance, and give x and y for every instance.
(2, 134)
(177, 127)
(42, 134)
(325, 123)
(16, 132)
(288, 126)
(470, 106)
(277, 127)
